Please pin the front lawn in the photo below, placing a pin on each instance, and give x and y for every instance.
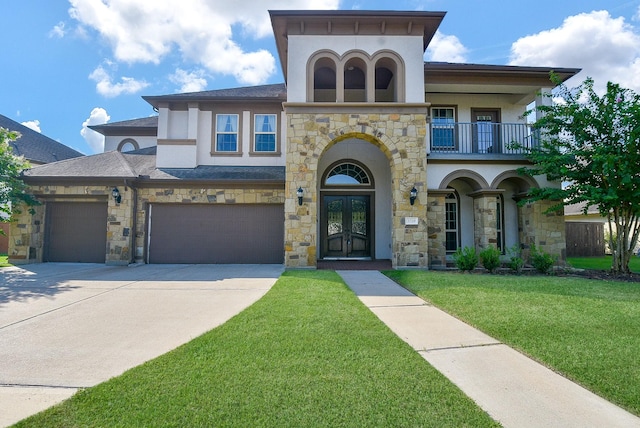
(4, 261)
(308, 354)
(588, 330)
(601, 263)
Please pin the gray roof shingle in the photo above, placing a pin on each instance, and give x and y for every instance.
(34, 146)
(141, 164)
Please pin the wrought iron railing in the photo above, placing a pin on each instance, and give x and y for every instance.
(482, 138)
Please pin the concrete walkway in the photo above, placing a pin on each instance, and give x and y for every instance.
(66, 326)
(513, 389)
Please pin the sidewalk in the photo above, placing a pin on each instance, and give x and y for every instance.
(513, 389)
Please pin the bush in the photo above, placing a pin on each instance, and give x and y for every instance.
(541, 261)
(490, 258)
(516, 262)
(466, 258)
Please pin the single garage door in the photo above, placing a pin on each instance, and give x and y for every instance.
(243, 233)
(75, 232)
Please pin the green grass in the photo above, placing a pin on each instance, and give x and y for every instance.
(601, 263)
(4, 261)
(308, 354)
(588, 330)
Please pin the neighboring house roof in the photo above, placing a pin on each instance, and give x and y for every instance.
(264, 93)
(34, 146)
(578, 209)
(142, 126)
(140, 165)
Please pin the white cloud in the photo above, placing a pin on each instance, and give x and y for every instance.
(446, 48)
(95, 140)
(58, 30)
(32, 124)
(106, 87)
(189, 82)
(606, 48)
(201, 30)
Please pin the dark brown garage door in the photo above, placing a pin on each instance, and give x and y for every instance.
(216, 233)
(75, 232)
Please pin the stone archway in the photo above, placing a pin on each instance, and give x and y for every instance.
(399, 136)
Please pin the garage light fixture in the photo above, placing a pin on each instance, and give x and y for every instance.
(300, 193)
(116, 195)
(413, 194)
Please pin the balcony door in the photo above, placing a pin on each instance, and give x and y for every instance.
(486, 130)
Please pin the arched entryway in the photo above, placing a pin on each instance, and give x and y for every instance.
(354, 190)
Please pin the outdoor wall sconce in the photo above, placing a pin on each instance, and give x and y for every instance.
(300, 193)
(116, 195)
(413, 194)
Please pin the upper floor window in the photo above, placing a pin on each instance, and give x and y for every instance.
(265, 132)
(443, 127)
(128, 145)
(226, 132)
(355, 82)
(386, 81)
(324, 81)
(355, 76)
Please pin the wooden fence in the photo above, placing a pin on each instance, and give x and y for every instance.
(585, 239)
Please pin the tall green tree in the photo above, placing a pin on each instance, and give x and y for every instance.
(591, 143)
(13, 191)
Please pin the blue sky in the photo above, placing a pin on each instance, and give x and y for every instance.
(66, 64)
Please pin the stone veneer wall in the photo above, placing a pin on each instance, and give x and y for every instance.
(545, 230)
(436, 218)
(27, 232)
(398, 131)
(485, 220)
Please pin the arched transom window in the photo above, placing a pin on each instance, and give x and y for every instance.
(347, 174)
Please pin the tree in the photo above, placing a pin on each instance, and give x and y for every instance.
(592, 144)
(13, 191)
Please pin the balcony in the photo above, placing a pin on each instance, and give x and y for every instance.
(482, 140)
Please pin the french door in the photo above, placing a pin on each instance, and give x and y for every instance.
(346, 226)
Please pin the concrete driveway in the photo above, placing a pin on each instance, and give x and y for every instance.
(65, 326)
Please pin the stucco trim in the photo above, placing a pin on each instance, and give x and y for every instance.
(475, 180)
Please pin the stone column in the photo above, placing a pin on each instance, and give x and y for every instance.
(436, 218)
(485, 218)
(544, 229)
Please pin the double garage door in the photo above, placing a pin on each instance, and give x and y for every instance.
(251, 233)
(242, 233)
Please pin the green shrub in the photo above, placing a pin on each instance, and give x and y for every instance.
(466, 258)
(541, 261)
(490, 258)
(516, 262)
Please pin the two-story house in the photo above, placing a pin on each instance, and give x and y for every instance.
(366, 152)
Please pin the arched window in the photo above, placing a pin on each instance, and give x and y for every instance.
(386, 81)
(324, 81)
(347, 173)
(355, 80)
(128, 145)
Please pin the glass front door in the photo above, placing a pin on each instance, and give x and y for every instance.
(346, 228)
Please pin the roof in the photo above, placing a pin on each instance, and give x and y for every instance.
(141, 126)
(578, 209)
(34, 146)
(140, 165)
(263, 93)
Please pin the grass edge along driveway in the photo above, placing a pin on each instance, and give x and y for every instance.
(308, 353)
(587, 330)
